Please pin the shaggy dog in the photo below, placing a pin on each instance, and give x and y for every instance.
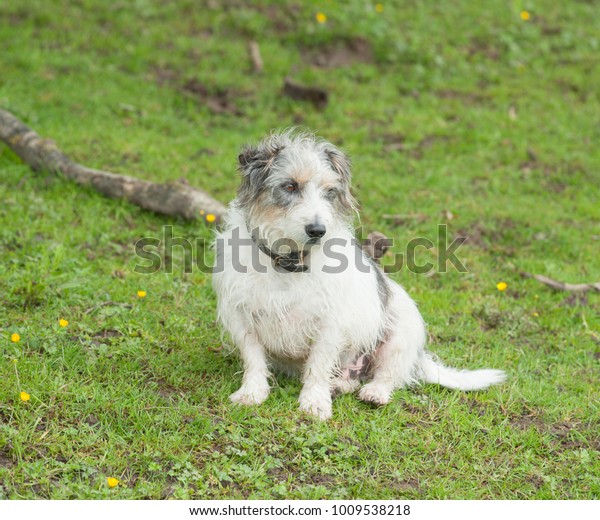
(296, 293)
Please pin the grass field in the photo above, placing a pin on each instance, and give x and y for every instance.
(480, 115)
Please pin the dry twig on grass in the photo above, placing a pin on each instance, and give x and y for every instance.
(563, 286)
(255, 57)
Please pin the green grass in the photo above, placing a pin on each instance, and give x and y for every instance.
(461, 106)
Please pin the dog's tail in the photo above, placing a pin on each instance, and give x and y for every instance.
(435, 372)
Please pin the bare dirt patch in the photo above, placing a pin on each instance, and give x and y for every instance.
(317, 96)
(219, 101)
(483, 236)
(482, 47)
(471, 98)
(571, 436)
(340, 54)
(164, 75)
(401, 143)
(105, 334)
(6, 460)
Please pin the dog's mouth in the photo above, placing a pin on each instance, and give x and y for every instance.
(313, 241)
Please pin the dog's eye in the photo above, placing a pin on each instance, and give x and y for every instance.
(291, 187)
(331, 194)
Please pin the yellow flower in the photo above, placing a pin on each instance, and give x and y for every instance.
(321, 17)
(525, 15)
(112, 482)
(535, 314)
(501, 286)
(15, 338)
(62, 322)
(202, 212)
(210, 218)
(379, 8)
(25, 396)
(141, 294)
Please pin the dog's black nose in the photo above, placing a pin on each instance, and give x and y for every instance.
(315, 230)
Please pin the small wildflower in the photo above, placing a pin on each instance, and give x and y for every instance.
(112, 482)
(210, 218)
(15, 338)
(379, 8)
(202, 212)
(525, 16)
(141, 294)
(62, 322)
(321, 17)
(501, 286)
(25, 396)
(535, 314)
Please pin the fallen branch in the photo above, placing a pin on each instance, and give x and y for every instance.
(562, 286)
(173, 198)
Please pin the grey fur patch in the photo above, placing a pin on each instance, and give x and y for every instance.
(255, 163)
(382, 285)
(341, 164)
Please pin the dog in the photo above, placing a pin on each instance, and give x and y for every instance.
(297, 294)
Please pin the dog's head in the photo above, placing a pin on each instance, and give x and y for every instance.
(295, 188)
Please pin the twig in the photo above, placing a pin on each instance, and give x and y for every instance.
(174, 198)
(255, 57)
(563, 286)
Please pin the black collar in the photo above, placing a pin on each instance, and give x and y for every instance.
(293, 262)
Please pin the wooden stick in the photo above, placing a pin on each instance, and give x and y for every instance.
(172, 198)
(255, 57)
(562, 286)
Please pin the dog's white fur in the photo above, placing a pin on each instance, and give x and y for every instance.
(316, 323)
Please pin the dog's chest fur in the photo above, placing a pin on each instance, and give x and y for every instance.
(286, 312)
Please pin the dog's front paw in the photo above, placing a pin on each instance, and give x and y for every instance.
(248, 395)
(316, 403)
(375, 393)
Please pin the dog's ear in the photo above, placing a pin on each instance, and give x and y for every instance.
(340, 163)
(257, 159)
(246, 156)
(254, 163)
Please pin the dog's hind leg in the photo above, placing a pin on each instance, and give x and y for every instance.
(396, 361)
(255, 384)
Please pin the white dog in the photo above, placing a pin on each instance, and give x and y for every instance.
(296, 293)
